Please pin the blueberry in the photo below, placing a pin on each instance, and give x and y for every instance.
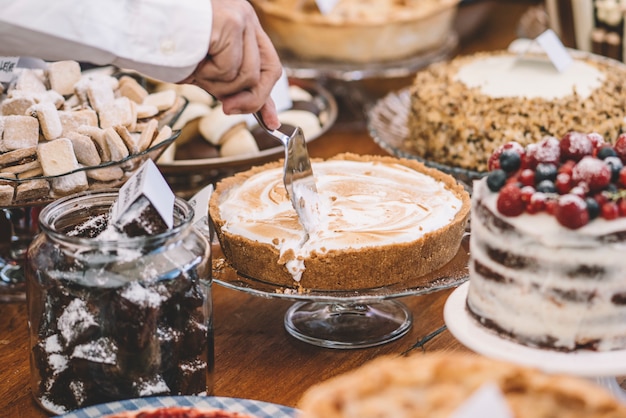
(510, 161)
(496, 179)
(615, 163)
(546, 186)
(545, 171)
(593, 207)
(605, 152)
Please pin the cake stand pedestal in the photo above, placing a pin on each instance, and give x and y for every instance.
(600, 367)
(348, 325)
(352, 318)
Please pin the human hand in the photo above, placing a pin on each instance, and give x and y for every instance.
(242, 65)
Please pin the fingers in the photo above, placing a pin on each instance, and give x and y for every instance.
(242, 66)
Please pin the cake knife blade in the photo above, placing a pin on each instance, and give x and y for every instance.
(298, 176)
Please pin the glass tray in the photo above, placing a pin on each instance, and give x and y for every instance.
(387, 125)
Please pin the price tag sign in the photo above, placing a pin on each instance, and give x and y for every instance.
(7, 68)
(326, 6)
(149, 183)
(556, 51)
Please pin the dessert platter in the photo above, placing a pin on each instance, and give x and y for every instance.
(63, 131)
(424, 121)
(345, 274)
(258, 409)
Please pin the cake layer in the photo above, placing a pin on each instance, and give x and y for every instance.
(544, 284)
(381, 221)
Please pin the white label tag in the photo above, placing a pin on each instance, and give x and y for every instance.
(487, 401)
(326, 6)
(280, 94)
(7, 68)
(150, 183)
(556, 51)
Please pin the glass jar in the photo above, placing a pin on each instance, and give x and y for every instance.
(111, 320)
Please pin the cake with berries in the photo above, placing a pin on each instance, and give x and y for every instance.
(381, 221)
(461, 111)
(547, 244)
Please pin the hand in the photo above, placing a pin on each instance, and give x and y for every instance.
(242, 65)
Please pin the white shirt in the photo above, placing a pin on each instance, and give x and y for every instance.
(164, 39)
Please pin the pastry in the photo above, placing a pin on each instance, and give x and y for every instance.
(435, 385)
(382, 220)
(461, 111)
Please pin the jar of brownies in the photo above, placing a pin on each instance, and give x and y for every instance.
(121, 318)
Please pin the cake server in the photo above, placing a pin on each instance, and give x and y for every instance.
(298, 176)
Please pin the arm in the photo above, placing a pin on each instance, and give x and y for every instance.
(160, 38)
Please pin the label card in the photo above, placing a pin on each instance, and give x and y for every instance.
(556, 51)
(326, 6)
(280, 94)
(487, 401)
(7, 68)
(150, 183)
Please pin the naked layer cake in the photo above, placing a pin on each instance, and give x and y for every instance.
(436, 385)
(462, 111)
(547, 244)
(382, 220)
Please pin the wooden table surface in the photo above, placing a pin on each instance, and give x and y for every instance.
(255, 357)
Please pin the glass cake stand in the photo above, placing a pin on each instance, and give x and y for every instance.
(349, 319)
(601, 367)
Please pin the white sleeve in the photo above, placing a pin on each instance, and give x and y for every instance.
(164, 39)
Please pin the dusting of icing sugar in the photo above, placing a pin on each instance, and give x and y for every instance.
(52, 344)
(154, 386)
(142, 296)
(75, 319)
(58, 363)
(102, 351)
(587, 167)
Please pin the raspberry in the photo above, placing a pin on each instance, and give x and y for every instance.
(571, 211)
(621, 205)
(563, 183)
(620, 147)
(510, 201)
(622, 177)
(527, 177)
(494, 159)
(574, 146)
(537, 203)
(595, 173)
(545, 151)
(609, 210)
(597, 140)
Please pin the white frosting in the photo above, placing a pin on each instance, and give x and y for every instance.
(530, 77)
(362, 204)
(530, 302)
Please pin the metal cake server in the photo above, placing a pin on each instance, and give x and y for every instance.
(298, 176)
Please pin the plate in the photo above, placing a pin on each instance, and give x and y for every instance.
(248, 406)
(202, 171)
(387, 123)
(450, 275)
(484, 341)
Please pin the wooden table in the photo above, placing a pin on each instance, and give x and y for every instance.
(255, 357)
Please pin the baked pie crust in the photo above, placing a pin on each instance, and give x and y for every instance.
(434, 385)
(357, 31)
(341, 268)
